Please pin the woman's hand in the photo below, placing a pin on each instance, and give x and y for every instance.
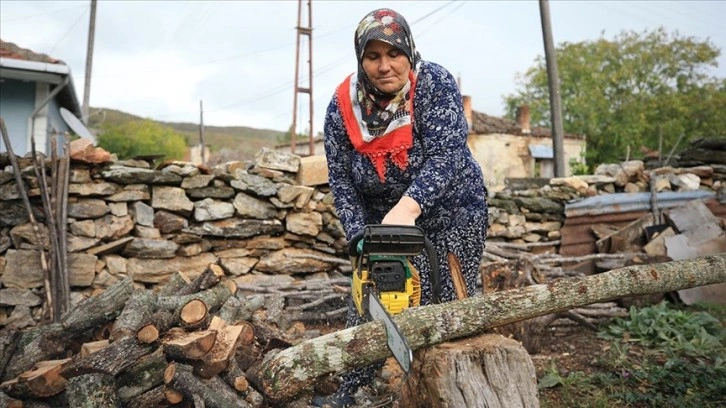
(403, 213)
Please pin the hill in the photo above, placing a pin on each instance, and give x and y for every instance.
(239, 141)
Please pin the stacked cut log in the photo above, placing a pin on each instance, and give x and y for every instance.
(189, 343)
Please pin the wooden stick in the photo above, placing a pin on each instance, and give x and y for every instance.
(26, 201)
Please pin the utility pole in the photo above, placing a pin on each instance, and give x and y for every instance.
(303, 31)
(202, 145)
(89, 62)
(554, 88)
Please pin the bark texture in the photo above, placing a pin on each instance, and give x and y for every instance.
(283, 375)
(486, 371)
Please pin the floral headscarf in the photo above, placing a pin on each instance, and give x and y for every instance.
(380, 126)
(379, 109)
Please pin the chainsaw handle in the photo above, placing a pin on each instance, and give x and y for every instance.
(353, 251)
(353, 243)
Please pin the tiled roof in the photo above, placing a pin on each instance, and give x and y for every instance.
(483, 124)
(11, 50)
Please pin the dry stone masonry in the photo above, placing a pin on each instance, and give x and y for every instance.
(267, 221)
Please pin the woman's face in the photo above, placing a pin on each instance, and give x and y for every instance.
(386, 66)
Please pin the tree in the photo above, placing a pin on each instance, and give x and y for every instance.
(627, 92)
(283, 375)
(142, 138)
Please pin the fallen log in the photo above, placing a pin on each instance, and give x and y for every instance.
(282, 375)
(194, 315)
(176, 282)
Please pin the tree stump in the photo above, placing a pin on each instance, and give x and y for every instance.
(487, 371)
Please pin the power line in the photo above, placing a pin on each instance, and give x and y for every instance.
(320, 71)
(67, 32)
(435, 23)
(8, 20)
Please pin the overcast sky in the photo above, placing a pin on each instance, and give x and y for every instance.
(158, 59)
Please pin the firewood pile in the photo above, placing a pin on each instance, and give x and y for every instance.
(192, 343)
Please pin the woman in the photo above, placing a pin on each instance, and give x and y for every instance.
(395, 141)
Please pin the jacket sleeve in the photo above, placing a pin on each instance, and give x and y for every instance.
(442, 126)
(338, 152)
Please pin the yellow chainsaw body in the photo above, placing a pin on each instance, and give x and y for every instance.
(393, 301)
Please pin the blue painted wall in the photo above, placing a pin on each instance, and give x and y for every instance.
(17, 99)
(56, 125)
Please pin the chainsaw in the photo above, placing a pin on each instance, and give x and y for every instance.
(385, 282)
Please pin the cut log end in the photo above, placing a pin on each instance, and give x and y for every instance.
(194, 312)
(169, 373)
(173, 396)
(232, 285)
(147, 334)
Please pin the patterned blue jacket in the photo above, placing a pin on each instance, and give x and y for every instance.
(442, 175)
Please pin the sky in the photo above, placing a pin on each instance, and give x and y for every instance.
(159, 59)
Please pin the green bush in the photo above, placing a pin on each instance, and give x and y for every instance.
(142, 138)
(674, 331)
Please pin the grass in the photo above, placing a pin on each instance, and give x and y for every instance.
(659, 356)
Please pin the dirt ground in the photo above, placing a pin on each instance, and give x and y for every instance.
(576, 351)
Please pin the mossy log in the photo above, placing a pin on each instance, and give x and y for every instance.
(95, 390)
(99, 309)
(137, 311)
(215, 394)
(281, 376)
(111, 360)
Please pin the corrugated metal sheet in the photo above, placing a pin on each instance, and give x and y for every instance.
(541, 151)
(627, 202)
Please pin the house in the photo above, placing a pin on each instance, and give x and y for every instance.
(33, 89)
(302, 146)
(512, 149)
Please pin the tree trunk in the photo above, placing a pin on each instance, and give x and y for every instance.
(486, 371)
(281, 376)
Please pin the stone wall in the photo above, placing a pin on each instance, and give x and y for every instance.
(257, 220)
(126, 218)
